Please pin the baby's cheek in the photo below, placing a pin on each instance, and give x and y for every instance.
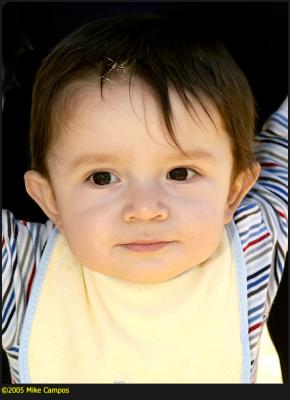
(86, 238)
(204, 227)
(203, 215)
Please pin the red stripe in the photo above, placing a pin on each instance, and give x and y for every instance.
(256, 241)
(255, 327)
(281, 214)
(3, 242)
(269, 165)
(30, 284)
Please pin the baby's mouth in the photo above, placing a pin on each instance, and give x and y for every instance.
(146, 246)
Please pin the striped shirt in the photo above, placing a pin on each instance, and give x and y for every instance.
(261, 222)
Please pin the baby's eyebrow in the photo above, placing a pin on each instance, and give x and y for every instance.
(95, 158)
(92, 158)
(197, 154)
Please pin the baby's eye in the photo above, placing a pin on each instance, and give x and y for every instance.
(181, 174)
(102, 178)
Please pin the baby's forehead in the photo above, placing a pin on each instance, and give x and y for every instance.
(124, 123)
(83, 96)
(120, 125)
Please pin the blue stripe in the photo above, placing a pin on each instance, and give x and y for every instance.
(30, 228)
(4, 252)
(255, 283)
(252, 227)
(14, 349)
(284, 227)
(275, 119)
(270, 139)
(245, 208)
(12, 297)
(279, 115)
(259, 316)
(252, 310)
(253, 234)
(7, 323)
(4, 262)
(13, 247)
(277, 171)
(276, 187)
(280, 266)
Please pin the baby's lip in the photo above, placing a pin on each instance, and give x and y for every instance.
(148, 245)
(148, 241)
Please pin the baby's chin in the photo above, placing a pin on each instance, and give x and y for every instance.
(150, 267)
(144, 276)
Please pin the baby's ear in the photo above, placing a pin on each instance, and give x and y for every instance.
(40, 189)
(238, 190)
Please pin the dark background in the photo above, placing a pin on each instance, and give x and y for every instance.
(255, 34)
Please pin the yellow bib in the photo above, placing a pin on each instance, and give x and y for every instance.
(92, 328)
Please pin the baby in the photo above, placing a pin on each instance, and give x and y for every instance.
(166, 237)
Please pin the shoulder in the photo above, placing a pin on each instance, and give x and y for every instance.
(18, 232)
(22, 248)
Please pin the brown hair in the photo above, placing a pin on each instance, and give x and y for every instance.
(147, 47)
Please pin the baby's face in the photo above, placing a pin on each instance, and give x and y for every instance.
(118, 181)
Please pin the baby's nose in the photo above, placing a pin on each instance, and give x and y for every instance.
(145, 204)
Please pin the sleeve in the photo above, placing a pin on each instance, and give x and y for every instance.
(271, 190)
(271, 150)
(262, 217)
(22, 246)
